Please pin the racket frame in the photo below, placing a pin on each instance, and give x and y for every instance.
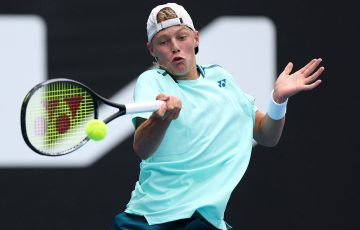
(96, 97)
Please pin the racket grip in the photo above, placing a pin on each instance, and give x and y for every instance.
(142, 107)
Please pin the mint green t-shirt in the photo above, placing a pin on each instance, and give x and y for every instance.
(204, 152)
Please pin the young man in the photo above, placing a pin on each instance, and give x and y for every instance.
(197, 146)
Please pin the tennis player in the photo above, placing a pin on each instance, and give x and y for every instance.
(196, 147)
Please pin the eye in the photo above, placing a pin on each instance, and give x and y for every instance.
(163, 42)
(182, 37)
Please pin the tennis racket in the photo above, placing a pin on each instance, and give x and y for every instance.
(54, 115)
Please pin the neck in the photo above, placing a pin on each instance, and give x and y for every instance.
(193, 74)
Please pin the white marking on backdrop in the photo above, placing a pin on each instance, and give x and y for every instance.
(245, 46)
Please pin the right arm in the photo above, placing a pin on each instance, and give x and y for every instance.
(150, 132)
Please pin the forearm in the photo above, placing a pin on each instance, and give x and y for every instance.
(149, 135)
(269, 131)
(269, 126)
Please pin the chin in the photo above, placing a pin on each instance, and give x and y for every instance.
(180, 73)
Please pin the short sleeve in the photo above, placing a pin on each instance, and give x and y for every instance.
(146, 89)
(254, 108)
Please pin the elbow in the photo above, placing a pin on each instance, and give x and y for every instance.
(143, 155)
(272, 144)
(268, 142)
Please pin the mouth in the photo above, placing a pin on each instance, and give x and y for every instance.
(177, 60)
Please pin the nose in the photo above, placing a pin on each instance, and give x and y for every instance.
(174, 47)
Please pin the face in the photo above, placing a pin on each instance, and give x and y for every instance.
(174, 49)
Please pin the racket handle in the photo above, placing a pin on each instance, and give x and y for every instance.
(141, 107)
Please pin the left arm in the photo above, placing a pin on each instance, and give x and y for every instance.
(267, 131)
(268, 128)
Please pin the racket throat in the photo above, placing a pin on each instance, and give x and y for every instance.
(122, 111)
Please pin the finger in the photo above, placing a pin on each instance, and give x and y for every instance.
(306, 66)
(313, 85)
(312, 67)
(161, 111)
(174, 107)
(174, 102)
(174, 114)
(315, 75)
(177, 103)
(288, 68)
(162, 97)
(170, 103)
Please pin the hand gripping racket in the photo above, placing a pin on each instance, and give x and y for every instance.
(54, 115)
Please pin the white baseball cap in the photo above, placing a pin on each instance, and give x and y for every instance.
(183, 18)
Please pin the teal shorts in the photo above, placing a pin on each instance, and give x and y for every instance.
(126, 221)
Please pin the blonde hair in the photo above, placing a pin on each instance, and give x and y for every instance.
(165, 13)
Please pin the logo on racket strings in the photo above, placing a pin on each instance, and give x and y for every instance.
(61, 118)
(64, 111)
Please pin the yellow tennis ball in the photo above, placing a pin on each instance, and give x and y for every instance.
(96, 130)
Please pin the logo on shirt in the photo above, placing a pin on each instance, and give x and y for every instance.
(222, 83)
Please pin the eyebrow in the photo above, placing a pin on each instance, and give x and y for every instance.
(182, 27)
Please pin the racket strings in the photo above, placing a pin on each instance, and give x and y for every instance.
(56, 117)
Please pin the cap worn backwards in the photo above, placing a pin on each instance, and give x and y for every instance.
(183, 18)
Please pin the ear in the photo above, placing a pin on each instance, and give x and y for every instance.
(196, 38)
(151, 49)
